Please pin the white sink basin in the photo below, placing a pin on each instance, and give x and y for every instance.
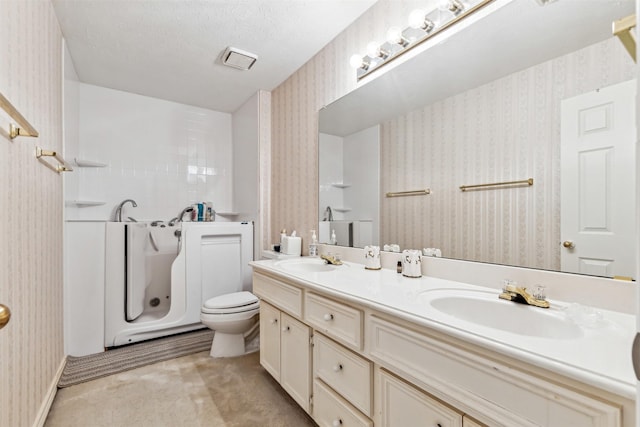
(486, 309)
(307, 265)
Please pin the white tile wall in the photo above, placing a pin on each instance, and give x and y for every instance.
(362, 171)
(330, 172)
(162, 154)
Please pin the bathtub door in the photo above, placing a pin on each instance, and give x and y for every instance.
(137, 238)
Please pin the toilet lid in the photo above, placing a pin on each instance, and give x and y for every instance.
(236, 299)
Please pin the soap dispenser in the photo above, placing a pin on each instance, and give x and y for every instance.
(313, 246)
(334, 239)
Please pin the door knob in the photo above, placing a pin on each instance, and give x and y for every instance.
(5, 315)
(568, 244)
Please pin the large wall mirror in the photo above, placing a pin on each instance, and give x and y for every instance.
(544, 95)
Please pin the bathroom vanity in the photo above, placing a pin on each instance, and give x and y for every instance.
(355, 347)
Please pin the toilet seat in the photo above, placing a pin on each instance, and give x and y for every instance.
(237, 302)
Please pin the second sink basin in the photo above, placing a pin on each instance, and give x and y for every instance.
(307, 265)
(486, 309)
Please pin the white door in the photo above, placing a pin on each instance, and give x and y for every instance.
(598, 132)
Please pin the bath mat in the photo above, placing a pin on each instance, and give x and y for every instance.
(86, 368)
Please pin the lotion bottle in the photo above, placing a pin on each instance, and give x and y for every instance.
(334, 239)
(313, 246)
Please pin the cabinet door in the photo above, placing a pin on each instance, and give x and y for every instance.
(295, 359)
(470, 422)
(399, 404)
(270, 339)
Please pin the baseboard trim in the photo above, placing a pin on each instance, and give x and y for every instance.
(51, 394)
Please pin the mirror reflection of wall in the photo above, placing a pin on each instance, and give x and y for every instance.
(349, 187)
(505, 130)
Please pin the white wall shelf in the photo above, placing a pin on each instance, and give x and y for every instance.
(341, 185)
(82, 163)
(227, 213)
(342, 209)
(83, 203)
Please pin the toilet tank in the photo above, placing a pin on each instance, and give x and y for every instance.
(217, 257)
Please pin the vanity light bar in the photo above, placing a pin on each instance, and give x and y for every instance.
(422, 26)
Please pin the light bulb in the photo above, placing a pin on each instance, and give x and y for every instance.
(416, 18)
(394, 35)
(373, 49)
(356, 61)
(453, 6)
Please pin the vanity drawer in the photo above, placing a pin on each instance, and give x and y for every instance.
(401, 404)
(330, 410)
(346, 372)
(334, 319)
(282, 295)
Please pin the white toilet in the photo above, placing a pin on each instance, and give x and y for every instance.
(233, 317)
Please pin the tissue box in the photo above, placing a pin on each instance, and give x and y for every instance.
(291, 245)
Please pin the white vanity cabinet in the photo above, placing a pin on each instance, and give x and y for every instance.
(371, 366)
(285, 343)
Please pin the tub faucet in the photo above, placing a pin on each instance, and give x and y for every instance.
(328, 214)
(179, 217)
(118, 214)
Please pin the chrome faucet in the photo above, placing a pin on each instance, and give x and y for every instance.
(511, 292)
(328, 214)
(118, 214)
(179, 217)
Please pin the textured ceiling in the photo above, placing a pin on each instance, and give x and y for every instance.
(170, 49)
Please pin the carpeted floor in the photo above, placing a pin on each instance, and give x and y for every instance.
(194, 390)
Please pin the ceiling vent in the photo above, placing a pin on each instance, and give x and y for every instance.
(239, 59)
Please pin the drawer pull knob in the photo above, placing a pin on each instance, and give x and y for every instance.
(328, 317)
(337, 368)
(337, 423)
(286, 329)
(274, 321)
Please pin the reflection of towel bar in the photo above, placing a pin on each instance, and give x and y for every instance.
(25, 128)
(623, 29)
(497, 184)
(62, 166)
(410, 193)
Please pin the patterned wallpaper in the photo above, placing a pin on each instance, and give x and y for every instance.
(328, 76)
(506, 130)
(31, 217)
(295, 104)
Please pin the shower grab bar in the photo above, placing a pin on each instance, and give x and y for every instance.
(62, 166)
(24, 128)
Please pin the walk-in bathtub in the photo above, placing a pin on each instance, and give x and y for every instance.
(156, 278)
